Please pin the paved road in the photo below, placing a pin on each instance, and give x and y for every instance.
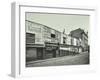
(82, 58)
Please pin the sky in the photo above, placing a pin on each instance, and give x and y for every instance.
(60, 21)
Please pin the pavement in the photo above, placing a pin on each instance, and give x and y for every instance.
(79, 59)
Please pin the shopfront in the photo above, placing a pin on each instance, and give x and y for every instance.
(51, 50)
(34, 52)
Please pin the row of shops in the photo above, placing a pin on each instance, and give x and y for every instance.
(50, 50)
(43, 42)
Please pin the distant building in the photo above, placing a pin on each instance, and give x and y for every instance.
(82, 38)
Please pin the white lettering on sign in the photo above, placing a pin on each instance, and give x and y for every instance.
(64, 48)
(34, 29)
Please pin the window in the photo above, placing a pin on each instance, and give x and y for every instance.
(64, 40)
(30, 38)
(53, 36)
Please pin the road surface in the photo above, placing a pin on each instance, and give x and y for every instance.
(78, 59)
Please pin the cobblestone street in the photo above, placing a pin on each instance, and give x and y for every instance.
(82, 58)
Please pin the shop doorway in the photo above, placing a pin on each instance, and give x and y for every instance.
(54, 53)
(39, 53)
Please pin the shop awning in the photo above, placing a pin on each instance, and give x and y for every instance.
(35, 45)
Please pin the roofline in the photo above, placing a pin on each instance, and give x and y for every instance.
(43, 25)
(81, 32)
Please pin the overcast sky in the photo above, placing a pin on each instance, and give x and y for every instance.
(59, 21)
